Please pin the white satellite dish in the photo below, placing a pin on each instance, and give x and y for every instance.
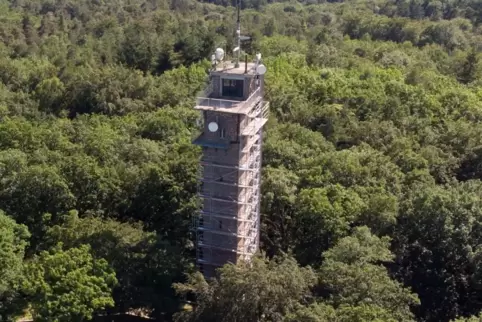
(219, 53)
(213, 126)
(261, 69)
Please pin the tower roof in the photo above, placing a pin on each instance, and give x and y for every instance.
(230, 68)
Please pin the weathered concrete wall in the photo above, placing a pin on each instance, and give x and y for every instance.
(218, 256)
(224, 227)
(228, 122)
(222, 224)
(220, 207)
(228, 157)
(220, 191)
(216, 81)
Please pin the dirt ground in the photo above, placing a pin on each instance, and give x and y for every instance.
(121, 318)
(112, 318)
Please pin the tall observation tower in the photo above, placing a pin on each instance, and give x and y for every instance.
(234, 113)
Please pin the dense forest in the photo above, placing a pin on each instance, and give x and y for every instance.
(372, 166)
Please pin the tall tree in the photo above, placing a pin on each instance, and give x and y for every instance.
(68, 285)
(261, 291)
(355, 277)
(437, 242)
(13, 240)
(145, 266)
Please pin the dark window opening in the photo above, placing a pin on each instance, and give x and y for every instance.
(233, 87)
(220, 224)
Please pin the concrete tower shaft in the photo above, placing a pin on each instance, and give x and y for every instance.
(234, 113)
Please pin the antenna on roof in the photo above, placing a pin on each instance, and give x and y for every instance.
(259, 68)
(237, 50)
(239, 38)
(217, 58)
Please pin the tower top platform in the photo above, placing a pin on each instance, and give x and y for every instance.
(228, 68)
(233, 90)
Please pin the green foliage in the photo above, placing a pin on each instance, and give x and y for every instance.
(345, 313)
(470, 319)
(375, 108)
(359, 287)
(353, 275)
(323, 216)
(68, 285)
(134, 254)
(263, 291)
(437, 242)
(13, 240)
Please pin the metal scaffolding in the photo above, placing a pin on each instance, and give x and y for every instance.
(244, 208)
(228, 226)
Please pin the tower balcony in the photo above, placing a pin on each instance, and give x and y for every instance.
(228, 106)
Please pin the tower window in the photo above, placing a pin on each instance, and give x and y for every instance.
(222, 133)
(233, 87)
(220, 224)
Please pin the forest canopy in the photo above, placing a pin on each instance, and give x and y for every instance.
(371, 188)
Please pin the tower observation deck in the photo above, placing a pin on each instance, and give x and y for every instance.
(234, 113)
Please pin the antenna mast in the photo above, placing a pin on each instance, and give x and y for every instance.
(238, 33)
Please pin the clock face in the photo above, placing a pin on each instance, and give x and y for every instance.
(213, 126)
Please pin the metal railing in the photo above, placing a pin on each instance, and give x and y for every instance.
(216, 102)
(208, 91)
(255, 119)
(253, 97)
(265, 110)
(224, 103)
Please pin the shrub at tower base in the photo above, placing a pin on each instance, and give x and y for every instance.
(352, 285)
